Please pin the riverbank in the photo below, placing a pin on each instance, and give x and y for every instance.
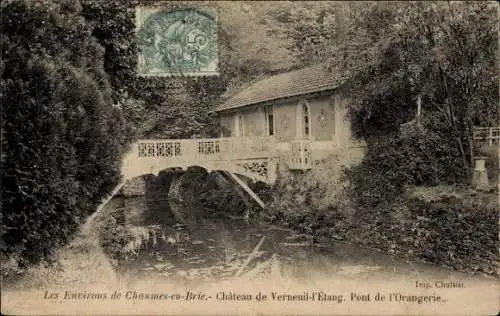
(450, 225)
(208, 263)
(79, 263)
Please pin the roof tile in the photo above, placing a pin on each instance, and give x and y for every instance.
(298, 82)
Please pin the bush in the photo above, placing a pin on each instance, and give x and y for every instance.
(447, 225)
(62, 138)
(113, 238)
(457, 233)
(391, 164)
(313, 202)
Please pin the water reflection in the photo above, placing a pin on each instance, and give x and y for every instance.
(214, 249)
(207, 249)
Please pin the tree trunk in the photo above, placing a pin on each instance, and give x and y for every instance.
(464, 156)
(454, 130)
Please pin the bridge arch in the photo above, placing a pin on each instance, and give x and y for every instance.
(177, 195)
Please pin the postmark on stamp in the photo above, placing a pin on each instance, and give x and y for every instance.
(176, 42)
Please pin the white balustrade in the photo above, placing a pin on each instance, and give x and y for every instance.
(300, 155)
(487, 135)
(154, 155)
(208, 149)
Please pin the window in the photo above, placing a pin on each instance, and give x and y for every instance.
(305, 115)
(269, 120)
(240, 125)
(303, 120)
(334, 114)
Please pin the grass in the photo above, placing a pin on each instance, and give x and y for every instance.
(82, 261)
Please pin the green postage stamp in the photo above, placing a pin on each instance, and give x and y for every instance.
(176, 42)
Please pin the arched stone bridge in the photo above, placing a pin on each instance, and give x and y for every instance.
(254, 157)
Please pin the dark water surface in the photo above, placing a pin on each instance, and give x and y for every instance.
(214, 249)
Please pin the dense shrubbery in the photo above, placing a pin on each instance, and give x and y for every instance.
(62, 136)
(462, 233)
(313, 202)
(396, 202)
(458, 228)
(179, 107)
(113, 238)
(391, 164)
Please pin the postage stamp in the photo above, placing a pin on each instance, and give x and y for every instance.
(176, 42)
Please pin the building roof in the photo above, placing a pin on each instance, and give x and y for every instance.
(298, 82)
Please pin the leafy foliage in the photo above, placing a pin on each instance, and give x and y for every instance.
(62, 137)
(308, 27)
(441, 52)
(177, 107)
(470, 229)
(393, 164)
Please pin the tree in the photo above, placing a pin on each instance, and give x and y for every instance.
(443, 53)
(309, 30)
(63, 139)
(178, 107)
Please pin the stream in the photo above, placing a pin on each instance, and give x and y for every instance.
(225, 266)
(216, 249)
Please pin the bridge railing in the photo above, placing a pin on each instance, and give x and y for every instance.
(205, 149)
(153, 155)
(300, 155)
(487, 135)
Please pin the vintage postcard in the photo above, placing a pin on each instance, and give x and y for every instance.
(249, 158)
